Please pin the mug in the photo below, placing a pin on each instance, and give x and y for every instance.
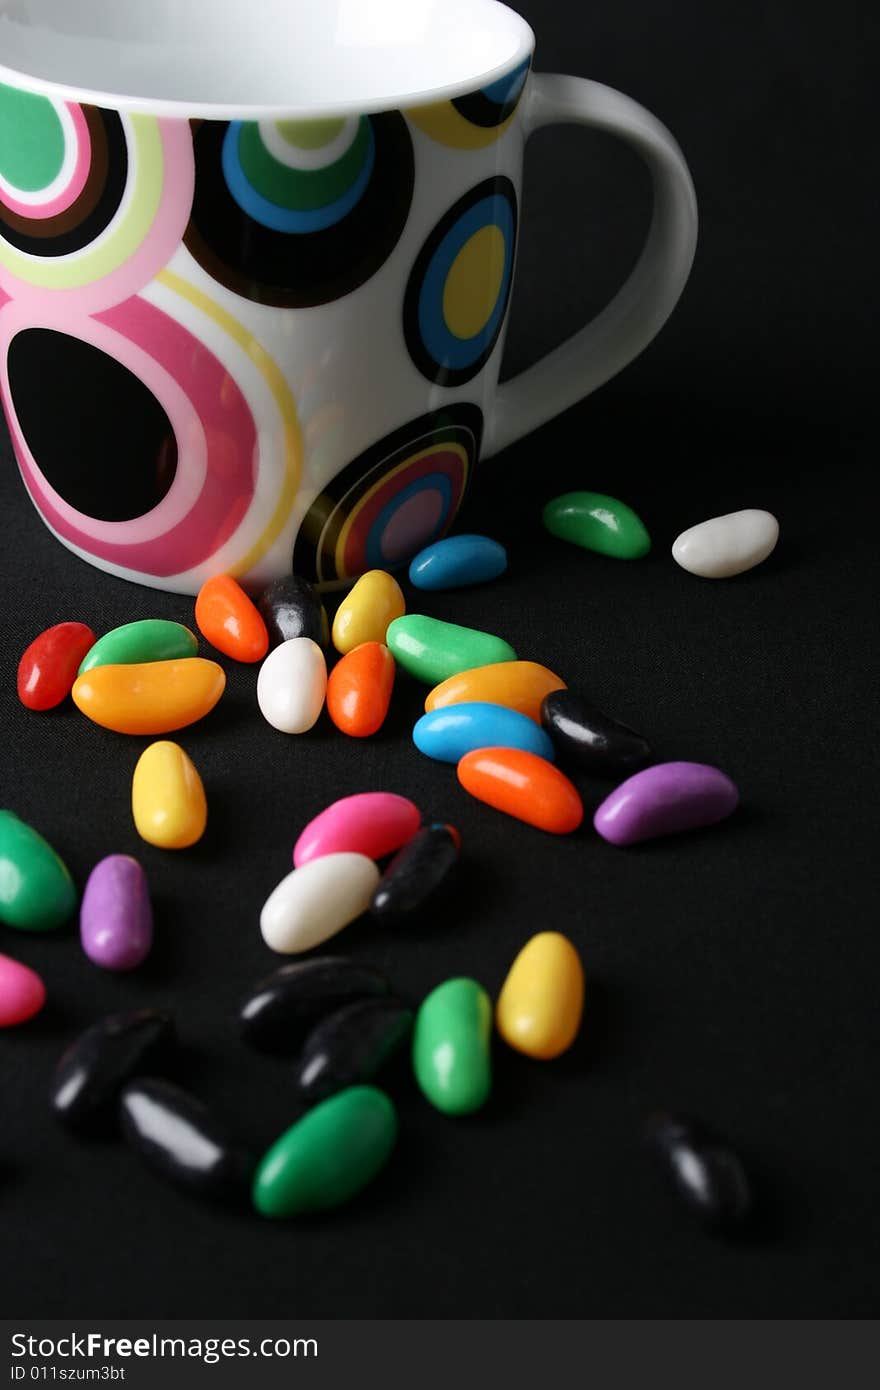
(255, 268)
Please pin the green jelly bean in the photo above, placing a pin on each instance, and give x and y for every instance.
(152, 639)
(597, 522)
(36, 890)
(328, 1155)
(451, 1047)
(432, 650)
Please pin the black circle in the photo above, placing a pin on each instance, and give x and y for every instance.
(298, 270)
(99, 435)
(441, 372)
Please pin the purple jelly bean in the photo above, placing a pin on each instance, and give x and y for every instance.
(663, 800)
(116, 919)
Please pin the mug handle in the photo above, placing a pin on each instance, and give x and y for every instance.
(645, 301)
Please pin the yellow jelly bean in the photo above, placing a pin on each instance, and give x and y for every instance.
(541, 1001)
(520, 685)
(167, 797)
(154, 697)
(365, 613)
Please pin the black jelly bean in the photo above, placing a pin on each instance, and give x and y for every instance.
(415, 873)
(281, 1009)
(586, 737)
(351, 1046)
(179, 1138)
(290, 607)
(89, 1075)
(706, 1174)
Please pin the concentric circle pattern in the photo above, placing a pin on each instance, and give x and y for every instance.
(92, 204)
(83, 188)
(459, 287)
(395, 498)
(472, 121)
(298, 213)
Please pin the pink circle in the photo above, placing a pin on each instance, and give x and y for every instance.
(412, 525)
(77, 181)
(213, 426)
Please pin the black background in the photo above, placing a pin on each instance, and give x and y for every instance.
(732, 972)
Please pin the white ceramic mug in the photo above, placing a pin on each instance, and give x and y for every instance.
(255, 266)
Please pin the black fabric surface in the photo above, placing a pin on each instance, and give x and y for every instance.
(732, 972)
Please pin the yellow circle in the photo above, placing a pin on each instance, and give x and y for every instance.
(474, 283)
(310, 135)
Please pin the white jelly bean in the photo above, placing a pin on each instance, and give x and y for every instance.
(317, 900)
(727, 545)
(292, 684)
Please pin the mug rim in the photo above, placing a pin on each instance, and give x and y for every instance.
(393, 99)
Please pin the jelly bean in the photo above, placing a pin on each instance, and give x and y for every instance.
(519, 685)
(115, 917)
(179, 1138)
(524, 786)
(416, 872)
(154, 697)
(133, 644)
(596, 522)
(351, 1046)
(663, 800)
(290, 607)
(370, 823)
(727, 545)
(284, 1007)
(432, 650)
(590, 739)
(452, 1047)
(327, 1156)
(316, 901)
(97, 1064)
(366, 611)
(541, 1002)
(36, 890)
(457, 561)
(167, 798)
(450, 732)
(292, 684)
(49, 667)
(707, 1175)
(229, 621)
(22, 992)
(359, 689)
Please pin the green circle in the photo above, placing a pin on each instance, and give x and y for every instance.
(299, 189)
(31, 140)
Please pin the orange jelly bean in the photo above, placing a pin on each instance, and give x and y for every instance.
(229, 621)
(519, 685)
(522, 785)
(154, 697)
(359, 689)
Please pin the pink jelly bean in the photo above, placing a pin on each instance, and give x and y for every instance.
(22, 992)
(370, 823)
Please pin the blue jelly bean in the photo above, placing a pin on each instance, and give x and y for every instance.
(456, 561)
(448, 733)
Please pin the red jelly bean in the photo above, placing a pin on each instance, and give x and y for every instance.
(522, 785)
(229, 621)
(48, 668)
(359, 689)
(22, 992)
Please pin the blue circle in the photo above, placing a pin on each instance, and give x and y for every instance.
(435, 482)
(507, 88)
(441, 343)
(279, 219)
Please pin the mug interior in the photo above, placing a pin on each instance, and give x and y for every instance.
(236, 57)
